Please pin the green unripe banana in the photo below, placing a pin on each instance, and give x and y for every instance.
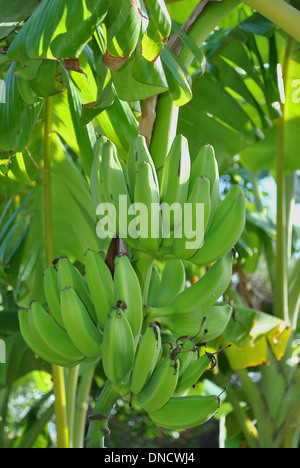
(206, 165)
(33, 341)
(223, 235)
(127, 289)
(173, 282)
(185, 246)
(146, 193)
(147, 355)
(217, 318)
(201, 295)
(100, 283)
(161, 385)
(181, 413)
(118, 346)
(52, 336)
(52, 293)
(81, 329)
(192, 374)
(138, 153)
(70, 277)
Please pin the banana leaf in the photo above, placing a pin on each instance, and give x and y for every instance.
(17, 118)
(58, 29)
(13, 12)
(251, 336)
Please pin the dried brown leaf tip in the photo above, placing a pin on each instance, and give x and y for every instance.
(115, 63)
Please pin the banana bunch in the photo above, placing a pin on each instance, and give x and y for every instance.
(151, 354)
(176, 215)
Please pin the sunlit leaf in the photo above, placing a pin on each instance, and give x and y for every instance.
(17, 118)
(58, 29)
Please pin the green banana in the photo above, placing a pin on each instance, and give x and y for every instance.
(70, 277)
(173, 282)
(146, 192)
(154, 286)
(161, 385)
(127, 289)
(181, 413)
(225, 206)
(52, 336)
(223, 236)
(138, 153)
(147, 355)
(100, 283)
(95, 184)
(81, 329)
(217, 318)
(37, 347)
(175, 181)
(52, 293)
(192, 374)
(118, 344)
(202, 294)
(193, 215)
(114, 189)
(205, 164)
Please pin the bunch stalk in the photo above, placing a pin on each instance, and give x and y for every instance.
(98, 427)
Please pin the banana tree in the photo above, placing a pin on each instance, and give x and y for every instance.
(89, 72)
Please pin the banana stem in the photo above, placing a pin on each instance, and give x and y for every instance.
(57, 372)
(280, 13)
(72, 382)
(281, 293)
(81, 409)
(98, 427)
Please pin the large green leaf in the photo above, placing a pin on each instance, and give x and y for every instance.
(58, 28)
(213, 116)
(178, 78)
(13, 12)
(17, 118)
(263, 154)
(251, 335)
